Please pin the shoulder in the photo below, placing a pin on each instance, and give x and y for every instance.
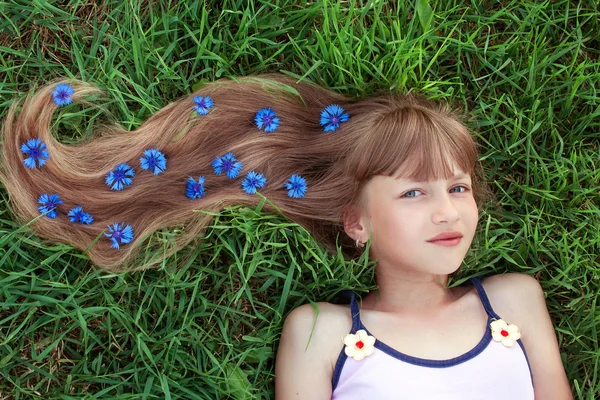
(317, 328)
(514, 294)
(519, 299)
(512, 281)
(323, 314)
(310, 344)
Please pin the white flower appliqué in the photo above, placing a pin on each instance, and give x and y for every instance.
(505, 333)
(359, 345)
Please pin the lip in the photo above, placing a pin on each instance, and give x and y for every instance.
(447, 242)
(447, 238)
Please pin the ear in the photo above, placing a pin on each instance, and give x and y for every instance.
(355, 224)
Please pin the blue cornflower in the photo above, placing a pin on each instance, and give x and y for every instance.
(154, 160)
(228, 164)
(296, 186)
(332, 116)
(253, 181)
(203, 104)
(266, 118)
(49, 204)
(62, 94)
(37, 152)
(120, 177)
(119, 234)
(193, 189)
(78, 216)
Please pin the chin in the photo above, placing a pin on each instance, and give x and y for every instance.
(446, 268)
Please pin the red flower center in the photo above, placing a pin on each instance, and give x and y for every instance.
(504, 333)
(360, 344)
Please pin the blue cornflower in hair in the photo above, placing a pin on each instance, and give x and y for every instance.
(62, 94)
(193, 189)
(203, 104)
(49, 204)
(296, 186)
(120, 177)
(78, 216)
(332, 116)
(36, 151)
(253, 181)
(266, 118)
(119, 234)
(228, 164)
(154, 160)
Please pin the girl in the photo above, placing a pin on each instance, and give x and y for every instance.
(396, 172)
(416, 338)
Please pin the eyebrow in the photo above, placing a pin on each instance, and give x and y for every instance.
(459, 177)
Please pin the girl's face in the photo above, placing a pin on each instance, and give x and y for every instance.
(404, 218)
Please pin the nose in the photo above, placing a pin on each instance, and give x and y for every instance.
(445, 211)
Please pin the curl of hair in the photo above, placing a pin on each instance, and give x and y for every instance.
(385, 134)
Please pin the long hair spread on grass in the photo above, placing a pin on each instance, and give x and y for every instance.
(334, 157)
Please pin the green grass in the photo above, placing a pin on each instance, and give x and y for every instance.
(206, 323)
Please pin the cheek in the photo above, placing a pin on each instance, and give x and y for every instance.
(471, 215)
(389, 223)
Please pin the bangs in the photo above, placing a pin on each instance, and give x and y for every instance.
(417, 144)
(435, 155)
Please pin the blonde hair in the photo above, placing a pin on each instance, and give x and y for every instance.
(384, 133)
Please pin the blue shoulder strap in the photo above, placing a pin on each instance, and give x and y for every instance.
(355, 312)
(483, 297)
(356, 325)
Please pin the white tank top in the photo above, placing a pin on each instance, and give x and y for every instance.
(488, 371)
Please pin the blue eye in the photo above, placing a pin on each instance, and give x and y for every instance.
(464, 189)
(411, 193)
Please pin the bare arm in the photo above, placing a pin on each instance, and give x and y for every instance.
(307, 352)
(522, 299)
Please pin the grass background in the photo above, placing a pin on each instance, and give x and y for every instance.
(205, 324)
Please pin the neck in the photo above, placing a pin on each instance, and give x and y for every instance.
(402, 290)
